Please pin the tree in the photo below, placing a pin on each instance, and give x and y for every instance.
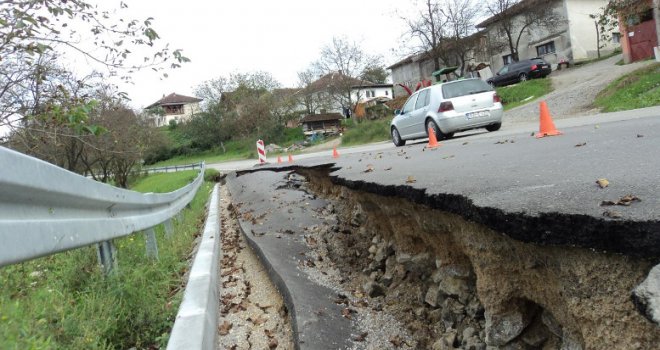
(35, 32)
(427, 27)
(311, 100)
(460, 17)
(376, 75)
(512, 21)
(442, 30)
(243, 104)
(347, 60)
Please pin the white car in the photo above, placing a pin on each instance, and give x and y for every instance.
(447, 108)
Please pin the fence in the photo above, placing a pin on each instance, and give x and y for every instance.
(45, 210)
(174, 168)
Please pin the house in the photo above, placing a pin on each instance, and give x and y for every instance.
(639, 22)
(571, 37)
(173, 107)
(336, 92)
(325, 123)
(369, 91)
(417, 70)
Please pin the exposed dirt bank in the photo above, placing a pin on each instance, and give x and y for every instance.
(460, 284)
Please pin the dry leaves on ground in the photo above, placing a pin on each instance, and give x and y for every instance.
(602, 183)
(625, 201)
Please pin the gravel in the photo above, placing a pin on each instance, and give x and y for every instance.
(575, 90)
(252, 314)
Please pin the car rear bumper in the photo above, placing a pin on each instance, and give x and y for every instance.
(453, 121)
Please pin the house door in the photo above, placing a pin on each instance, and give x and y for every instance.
(642, 40)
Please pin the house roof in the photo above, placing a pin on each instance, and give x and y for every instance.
(372, 86)
(332, 79)
(511, 11)
(427, 55)
(174, 99)
(321, 117)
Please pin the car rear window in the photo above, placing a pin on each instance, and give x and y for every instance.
(464, 87)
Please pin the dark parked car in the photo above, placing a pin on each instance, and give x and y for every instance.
(521, 71)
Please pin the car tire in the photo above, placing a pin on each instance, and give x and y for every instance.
(396, 138)
(494, 127)
(522, 77)
(492, 84)
(439, 135)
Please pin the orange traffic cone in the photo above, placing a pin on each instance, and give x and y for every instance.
(279, 159)
(335, 154)
(433, 141)
(290, 159)
(547, 127)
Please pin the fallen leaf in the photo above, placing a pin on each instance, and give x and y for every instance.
(465, 143)
(369, 169)
(640, 135)
(346, 313)
(388, 168)
(258, 321)
(396, 341)
(581, 144)
(410, 180)
(224, 328)
(612, 214)
(626, 201)
(360, 337)
(602, 183)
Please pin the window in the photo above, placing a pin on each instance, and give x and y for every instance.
(367, 93)
(173, 109)
(507, 59)
(373, 93)
(545, 49)
(616, 38)
(423, 99)
(387, 93)
(464, 87)
(503, 70)
(410, 104)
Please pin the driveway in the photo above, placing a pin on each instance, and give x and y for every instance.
(574, 90)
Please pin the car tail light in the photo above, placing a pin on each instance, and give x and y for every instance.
(496, 98)
(445, 106)
(534, 67)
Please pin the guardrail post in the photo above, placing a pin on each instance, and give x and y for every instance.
(150, 243)
(106, 253)
(179, 217)
(168, 228)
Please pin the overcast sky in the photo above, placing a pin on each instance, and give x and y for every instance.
(281, 37)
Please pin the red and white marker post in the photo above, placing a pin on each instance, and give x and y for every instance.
(262, 151)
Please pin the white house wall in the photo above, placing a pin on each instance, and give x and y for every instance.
(361, 94)
(583, 30)
(536, 36)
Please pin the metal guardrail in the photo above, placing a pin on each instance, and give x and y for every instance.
(196, 322)
(45, 209)
(167, 169)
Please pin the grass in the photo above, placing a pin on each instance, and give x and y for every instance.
(164, 182)
(63, 301)
(366, 131)
(638, 89)
(234, 149)
(523, 92)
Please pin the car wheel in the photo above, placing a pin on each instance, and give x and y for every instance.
(396, 138)
(494, 127)
(449, 135)
(438, 134)
(492, 84)
(522, 77)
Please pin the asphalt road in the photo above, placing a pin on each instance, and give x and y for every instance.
(541, 190)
